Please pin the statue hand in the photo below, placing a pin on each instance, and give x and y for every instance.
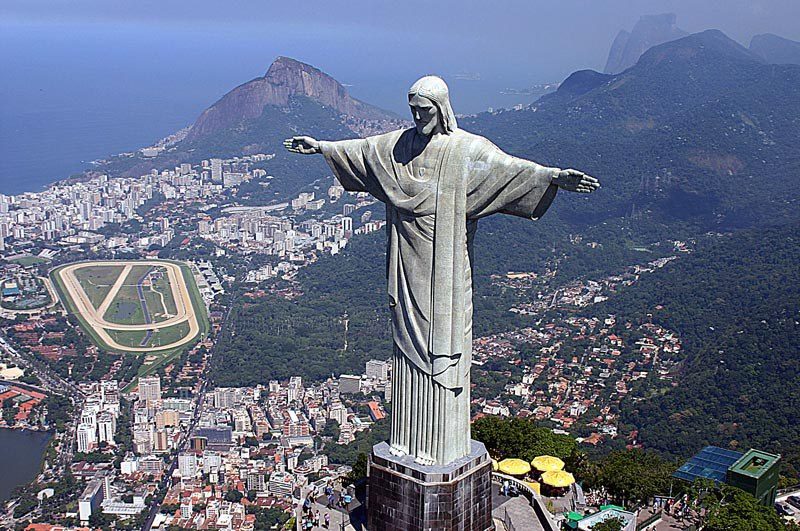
(576, 181)
(302, 144)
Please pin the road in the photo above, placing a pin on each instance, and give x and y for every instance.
(52, 382)
(164, 483)
(782, 498)
(198, 410)
(50, 379)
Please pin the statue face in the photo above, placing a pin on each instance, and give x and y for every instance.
(425, 114)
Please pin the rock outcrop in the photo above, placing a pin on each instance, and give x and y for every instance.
(651, 30)
(286, 79)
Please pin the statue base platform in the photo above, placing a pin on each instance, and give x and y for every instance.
(403, 495)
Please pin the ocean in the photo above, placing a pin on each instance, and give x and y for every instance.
(73, 93)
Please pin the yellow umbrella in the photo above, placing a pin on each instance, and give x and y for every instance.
(547, 463)
(537, 488)
(558, 478)
(514, 467)
(495, 465)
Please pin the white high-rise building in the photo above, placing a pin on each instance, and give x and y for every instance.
(274, 386)
(150, 388)
(216, 170)
(89, 416)
(106, 427)
(377, 370)
(296, 391)
(91, 500)
(186, 508)
(256, 481)
(187, 465)
(86, 437)
(211, 461)
(338, 413)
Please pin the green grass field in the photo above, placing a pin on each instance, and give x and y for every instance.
(159, 297)
(127, 308)
(128, 338)
(26, 261)
(162, 336)
(170, 334)
(96, 281)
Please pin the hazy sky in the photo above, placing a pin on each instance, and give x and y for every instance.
(88, 78)
(546, 39)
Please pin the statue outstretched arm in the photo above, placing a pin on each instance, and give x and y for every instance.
(576, 181)
(500, 182)
(305, 145)
(348, 159)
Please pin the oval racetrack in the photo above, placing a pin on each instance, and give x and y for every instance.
(95, 317)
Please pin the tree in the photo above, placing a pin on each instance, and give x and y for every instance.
(99, 519)
(331, 429)
(234, 496)
(612, 524)
(359, 471)
(520, 438)
(633, 475)
(578, 463)
(737, 510)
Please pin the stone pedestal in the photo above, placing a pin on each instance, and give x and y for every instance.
(405, 496)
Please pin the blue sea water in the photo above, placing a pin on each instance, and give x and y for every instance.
(73, 93)
(69, 97)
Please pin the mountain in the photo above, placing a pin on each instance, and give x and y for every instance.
(649, 31)
(291, 98)
(285, 80)
(699, 134)
(775, 49)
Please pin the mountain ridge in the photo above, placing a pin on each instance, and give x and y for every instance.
(254, 117)
(286, 78)
(649, 31)
(700, 115)
(776, 49)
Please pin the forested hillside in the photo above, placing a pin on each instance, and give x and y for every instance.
(736, 304)
(699, 134)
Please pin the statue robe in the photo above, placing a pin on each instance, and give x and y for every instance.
(435, 191)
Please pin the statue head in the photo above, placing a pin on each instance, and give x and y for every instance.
(429, 99)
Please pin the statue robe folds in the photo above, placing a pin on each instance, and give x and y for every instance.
(435, 190)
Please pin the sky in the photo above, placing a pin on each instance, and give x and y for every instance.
(83, 79)
(356, 40)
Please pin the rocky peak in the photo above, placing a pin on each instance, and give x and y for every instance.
(285, 79)
(702, 49)
(649, 31)
(289, 77)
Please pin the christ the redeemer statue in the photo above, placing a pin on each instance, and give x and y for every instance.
(437, 181)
